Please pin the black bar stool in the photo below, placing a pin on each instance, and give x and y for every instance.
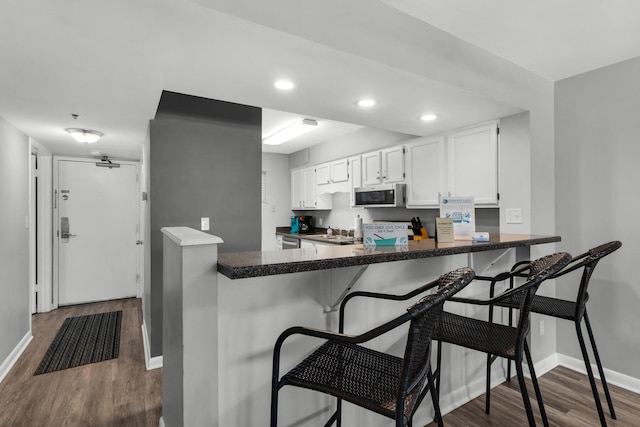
(499, 340)
(386, 384)
(576, 311)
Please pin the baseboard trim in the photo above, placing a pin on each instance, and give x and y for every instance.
(470, 391)
(150, 362)
(14, 355)
(616, 378)
(476, 388)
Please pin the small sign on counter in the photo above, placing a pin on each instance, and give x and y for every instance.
(444, 230)
(461, 209)
(386, 234)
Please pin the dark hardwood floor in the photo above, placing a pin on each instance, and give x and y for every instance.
(117, 392)
(567, 398)
(121, 392)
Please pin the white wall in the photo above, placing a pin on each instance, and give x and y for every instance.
(15, 313)
(597, 134)
(277, 211)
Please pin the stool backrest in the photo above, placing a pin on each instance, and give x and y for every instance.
(594, 255)
(424, 315)
(540, 270)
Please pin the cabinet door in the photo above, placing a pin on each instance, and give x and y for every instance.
(309, 188)
(296, 189)
(393, 165)
(371, 163)
(340, 171)
(425, 172)
(323, 174)
(355, 164)
(473, 164)
(306, 243)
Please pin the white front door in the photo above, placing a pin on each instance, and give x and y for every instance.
(96, 230)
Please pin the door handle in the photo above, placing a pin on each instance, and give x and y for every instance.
(138, 242)
(64, 228)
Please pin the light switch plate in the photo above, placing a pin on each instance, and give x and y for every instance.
(514, 216)
(204, 224)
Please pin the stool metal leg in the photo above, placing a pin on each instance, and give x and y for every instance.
(523, 391)
(600, 370)
(536, 387)
(592, 381)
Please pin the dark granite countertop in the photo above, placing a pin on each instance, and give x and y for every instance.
(241, 265)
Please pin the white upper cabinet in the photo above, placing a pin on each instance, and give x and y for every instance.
(463, 163)
(304, 191)
(309, 185)
(473, 164)
(371, 166)
(297, 191)
(355, 164)
(425, 171)
(386, 166)
(340, 170)
(323, 174)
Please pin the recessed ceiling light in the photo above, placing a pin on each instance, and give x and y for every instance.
(366, 102)
(284, 85)
(428, 117)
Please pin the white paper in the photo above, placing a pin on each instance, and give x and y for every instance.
(462, 210)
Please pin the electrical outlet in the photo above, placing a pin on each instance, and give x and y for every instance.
(204, 224)
(541, 327)
(319, 221)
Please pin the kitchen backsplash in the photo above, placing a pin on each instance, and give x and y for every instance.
(341, 215)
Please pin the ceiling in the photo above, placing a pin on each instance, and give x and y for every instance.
(110, 61)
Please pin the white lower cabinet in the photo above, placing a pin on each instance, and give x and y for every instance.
(306, 243)
(312, 243)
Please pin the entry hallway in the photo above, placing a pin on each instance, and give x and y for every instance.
(121, 392)
(117, 392)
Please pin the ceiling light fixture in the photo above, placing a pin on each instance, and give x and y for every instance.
(293, 130)
(366, 103)
(284, 85)
(84, 135)
(428, 117)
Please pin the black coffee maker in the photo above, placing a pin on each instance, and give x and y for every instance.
(305, 224)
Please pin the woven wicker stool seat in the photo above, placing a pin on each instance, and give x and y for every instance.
(356, 374)
(478, 335)
(498, 340)
(575, 311)
(546, 305)
(385, 384)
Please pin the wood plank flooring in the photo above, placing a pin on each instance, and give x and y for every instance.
(121, 392)
(117, 392)
(567, 398)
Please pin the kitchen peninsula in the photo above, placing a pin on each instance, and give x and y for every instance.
(223, 313)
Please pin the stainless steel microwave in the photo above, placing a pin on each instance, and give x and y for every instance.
(380, 196)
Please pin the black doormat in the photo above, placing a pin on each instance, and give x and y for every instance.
(83, 340)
